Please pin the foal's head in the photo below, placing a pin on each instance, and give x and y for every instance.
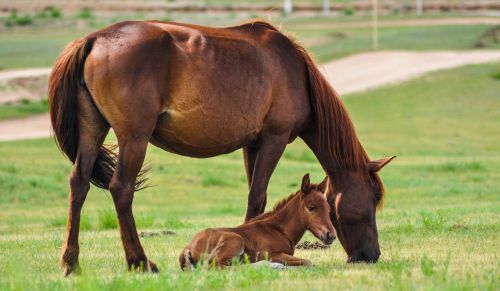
(315, 211)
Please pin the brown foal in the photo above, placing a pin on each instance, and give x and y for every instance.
(272, 235)
(202, 92)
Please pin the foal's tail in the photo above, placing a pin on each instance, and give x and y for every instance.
(66, 80)
(186, 260)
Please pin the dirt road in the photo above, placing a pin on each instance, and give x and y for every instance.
(352, 74)
(369, 70)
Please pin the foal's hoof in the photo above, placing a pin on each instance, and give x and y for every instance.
(72, 269)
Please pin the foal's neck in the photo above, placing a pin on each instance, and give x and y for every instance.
(289, 221)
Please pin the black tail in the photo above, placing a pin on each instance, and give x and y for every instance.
(65, 81)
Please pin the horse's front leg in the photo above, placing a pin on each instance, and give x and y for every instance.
(289, 260)
(122, 187)
(266, 158)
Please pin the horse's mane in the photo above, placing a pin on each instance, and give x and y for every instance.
(336, 130)
(276, 208)
(280, 205)
(337, 133)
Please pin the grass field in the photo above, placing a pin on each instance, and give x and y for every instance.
(439, 228)
(23, 109)
(39, 44)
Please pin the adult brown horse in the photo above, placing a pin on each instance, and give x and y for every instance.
(202, 92)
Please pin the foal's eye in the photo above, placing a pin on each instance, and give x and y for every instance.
(311, 208)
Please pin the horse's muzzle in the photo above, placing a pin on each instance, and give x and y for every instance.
(364, 257)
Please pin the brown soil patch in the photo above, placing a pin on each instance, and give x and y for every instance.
(307, 245)
(156, 233)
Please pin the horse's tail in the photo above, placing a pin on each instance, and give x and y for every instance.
(186, 260)
(335, 127)
(65, 82)
(63, 91)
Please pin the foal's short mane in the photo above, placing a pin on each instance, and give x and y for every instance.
(336, 131)
(277, 207)
(280, 205)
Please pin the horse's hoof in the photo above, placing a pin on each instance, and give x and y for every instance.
(143, 266)
(153, 268)
(72, 269)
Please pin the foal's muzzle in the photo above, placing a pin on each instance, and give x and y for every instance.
(328, 238)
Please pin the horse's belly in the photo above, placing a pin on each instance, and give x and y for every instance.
(205, 134)
(215, 104)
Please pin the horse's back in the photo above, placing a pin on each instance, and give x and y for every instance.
(209, 90)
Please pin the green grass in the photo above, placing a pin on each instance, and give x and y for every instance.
(23, 109)
(439, 228)
(38, 45)
(332, 43)
(34, 46)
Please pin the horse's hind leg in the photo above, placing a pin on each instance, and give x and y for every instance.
(131, 157)
(229, 247)
(92, 131)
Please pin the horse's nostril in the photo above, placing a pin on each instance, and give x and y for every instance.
(364, 256)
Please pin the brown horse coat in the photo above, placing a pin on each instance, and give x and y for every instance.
(272, 235)
(201, 92)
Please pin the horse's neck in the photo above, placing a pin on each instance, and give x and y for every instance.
(289, 223)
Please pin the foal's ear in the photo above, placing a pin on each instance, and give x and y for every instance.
(306, 184)
(323, 185)
(375, 166)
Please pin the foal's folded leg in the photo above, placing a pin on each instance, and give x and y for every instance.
(230, 246)
(289, 260)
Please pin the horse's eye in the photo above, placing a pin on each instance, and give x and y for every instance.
(311, 208)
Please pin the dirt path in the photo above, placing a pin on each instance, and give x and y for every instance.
(352, 74)
(23, 73)
(369, 70)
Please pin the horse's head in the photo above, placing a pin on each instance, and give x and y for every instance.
(314, 210)
(354, 200)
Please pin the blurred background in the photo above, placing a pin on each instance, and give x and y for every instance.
(32, 33)
(421, 79)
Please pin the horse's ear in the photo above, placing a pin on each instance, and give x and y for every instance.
(323, 185)
(306, 184)
(375, 166)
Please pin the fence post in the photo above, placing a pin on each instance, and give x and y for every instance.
(420, 7)
(375, 24)
(326, 7)
(288, 7)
